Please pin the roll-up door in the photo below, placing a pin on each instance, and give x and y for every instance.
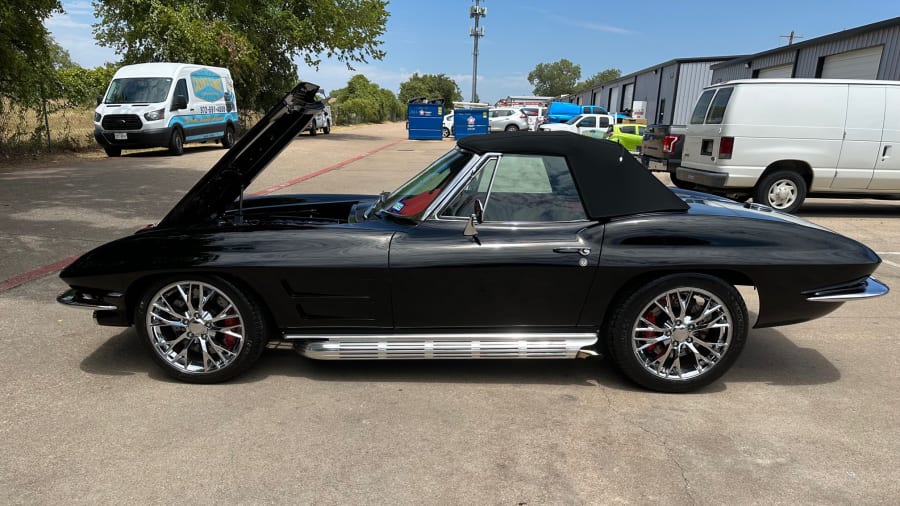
(777, 72)
(861, 64)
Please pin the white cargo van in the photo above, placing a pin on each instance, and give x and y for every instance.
(781, 140)
(166, 105)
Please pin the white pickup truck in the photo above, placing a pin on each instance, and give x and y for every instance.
(322, 122)
(592, 125)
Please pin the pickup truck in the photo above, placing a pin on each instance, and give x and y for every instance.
(592, 125)
(322, 122)
(661, 150)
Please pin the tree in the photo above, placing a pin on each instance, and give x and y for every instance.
(554, 79)
(598, 79)
(364, 101)
(256, 40)
(24, 51)
(430, 86)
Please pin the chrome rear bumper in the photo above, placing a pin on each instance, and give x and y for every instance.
(865, 289)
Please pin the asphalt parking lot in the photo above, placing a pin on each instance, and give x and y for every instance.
(809, 414)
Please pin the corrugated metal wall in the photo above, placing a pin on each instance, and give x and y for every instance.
(692, 78)
(806, 58)
(667, 89)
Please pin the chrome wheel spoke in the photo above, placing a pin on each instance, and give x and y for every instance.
(186, 297)
(652, 341)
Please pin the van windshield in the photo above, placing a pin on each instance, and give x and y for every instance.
(138, 90)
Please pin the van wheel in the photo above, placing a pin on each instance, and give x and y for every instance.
(783, 190)
(176, 144)
(312, 128)
(326, 129)
(111, 151)
(228, 138)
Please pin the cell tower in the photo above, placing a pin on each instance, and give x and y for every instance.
(476, 11)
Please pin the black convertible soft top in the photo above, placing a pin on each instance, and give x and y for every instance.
(610, 180)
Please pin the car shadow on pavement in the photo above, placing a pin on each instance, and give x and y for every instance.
(850, 209)
(769, 358)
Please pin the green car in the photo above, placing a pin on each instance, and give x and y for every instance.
(630, 136)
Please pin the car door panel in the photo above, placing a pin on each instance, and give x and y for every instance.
(512, 275)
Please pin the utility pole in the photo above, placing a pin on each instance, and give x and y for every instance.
(791, 37)
(476, 11)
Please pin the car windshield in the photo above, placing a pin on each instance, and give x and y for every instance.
(138, 90)
(574, 120)
(413, 198)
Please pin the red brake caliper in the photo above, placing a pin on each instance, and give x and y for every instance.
(229, 340)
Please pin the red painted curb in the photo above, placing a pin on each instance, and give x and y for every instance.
(40, 272)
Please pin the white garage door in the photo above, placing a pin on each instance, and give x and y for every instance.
(778, 72)
(861, 64)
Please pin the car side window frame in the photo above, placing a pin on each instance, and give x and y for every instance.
(459, 186)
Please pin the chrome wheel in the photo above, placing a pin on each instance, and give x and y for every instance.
(782, 194)
(677, 333)
(194, 327)
(682, 334)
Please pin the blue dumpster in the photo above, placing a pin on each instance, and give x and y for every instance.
(468, 122)
(425, 119)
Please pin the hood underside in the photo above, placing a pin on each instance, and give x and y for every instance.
(232, 174)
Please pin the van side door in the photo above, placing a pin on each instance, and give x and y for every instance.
(862, 137)
(887, 164)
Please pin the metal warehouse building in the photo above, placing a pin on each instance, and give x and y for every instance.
(670, 89)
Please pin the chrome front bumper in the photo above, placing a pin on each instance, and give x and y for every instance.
(74, 298)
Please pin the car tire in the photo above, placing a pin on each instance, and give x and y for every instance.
(228, 138)
(177, 318)
(511, 128)
(112, 152)
(327, 128)
(446, 132)
(176, 143)
(678, 333)
(783, 190)
(312, 128)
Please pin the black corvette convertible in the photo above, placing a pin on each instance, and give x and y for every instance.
(520, 245)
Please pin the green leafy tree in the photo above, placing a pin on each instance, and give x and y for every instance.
(554, 79)
(598, 79)
(25, 61)
(430, 86)
(363, 101)
(256, 40)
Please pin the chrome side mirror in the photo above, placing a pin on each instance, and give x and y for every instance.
(476, 216)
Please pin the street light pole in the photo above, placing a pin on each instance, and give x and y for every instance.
(476, 11)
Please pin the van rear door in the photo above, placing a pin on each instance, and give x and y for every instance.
(701, 139)
(862, 137)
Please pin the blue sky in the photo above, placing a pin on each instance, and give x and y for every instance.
(431, 36)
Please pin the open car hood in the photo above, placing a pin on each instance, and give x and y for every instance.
(232, 174)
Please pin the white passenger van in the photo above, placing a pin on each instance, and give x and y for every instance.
(780, 140)
(165, 105)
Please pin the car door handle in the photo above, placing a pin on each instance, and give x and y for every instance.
(581, 251)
